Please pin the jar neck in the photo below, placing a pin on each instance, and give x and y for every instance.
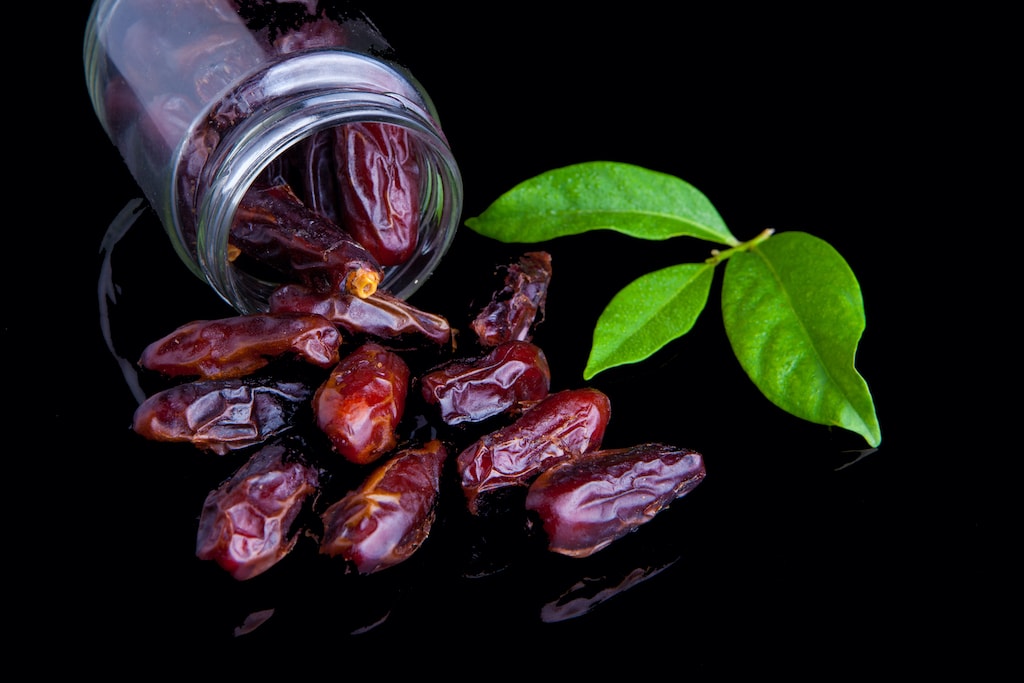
(270, 114)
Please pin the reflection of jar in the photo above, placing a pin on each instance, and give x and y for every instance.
(203, 98)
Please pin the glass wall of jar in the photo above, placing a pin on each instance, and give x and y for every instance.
(209, 101)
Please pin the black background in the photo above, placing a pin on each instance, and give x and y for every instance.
(789, 558)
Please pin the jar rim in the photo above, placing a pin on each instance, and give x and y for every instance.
(247, 148)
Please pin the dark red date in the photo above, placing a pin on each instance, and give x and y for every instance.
(379, 315)
(379, 188)
(519, 305)
(246, 523)
(221, 415)
(240, 345)
(360, 405)
(275, 230)
(509, 379)
(559, 427)
(389, 516)
(590, 501)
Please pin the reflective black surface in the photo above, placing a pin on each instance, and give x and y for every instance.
(795, 555)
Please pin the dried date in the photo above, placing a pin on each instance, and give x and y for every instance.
(559, 427)
(519, 305)
(379, 187)
(389, 516)
(510, 378)
(246, 524)
(361, 403)
(221, 415)
(381, 315)
(588, 502)
(241, 345)
(275, 230)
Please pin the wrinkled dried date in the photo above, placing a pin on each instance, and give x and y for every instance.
(241, 345)
(380, 315)
(389, 516)
(221, 415)
(561, 426)
(379, 187)
(360, 405)
(516, 308)
(587, 502)
(274, 229)
(246, 523)
(510, 378)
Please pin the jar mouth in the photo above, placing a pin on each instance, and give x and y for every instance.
(236, 155)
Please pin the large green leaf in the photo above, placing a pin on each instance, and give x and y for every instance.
(601, 195)
(648, 313)
(794, 315)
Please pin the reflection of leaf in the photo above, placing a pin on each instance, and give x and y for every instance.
(793, 312)
(601, 195)
(648, 313)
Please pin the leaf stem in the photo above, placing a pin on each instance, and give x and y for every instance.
(718, 256)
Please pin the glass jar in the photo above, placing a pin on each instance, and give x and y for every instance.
(204, 98)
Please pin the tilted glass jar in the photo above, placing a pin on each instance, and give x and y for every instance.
(203, 98)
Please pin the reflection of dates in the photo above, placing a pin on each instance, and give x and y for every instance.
(360, 405)
(221, 415)
(561, 426)
(381, 315)
(241, 345)
(587, 594)
(314, 169)
(314, 34)
(588, 502)
(511, 378)
(389, 516)
(246, 523)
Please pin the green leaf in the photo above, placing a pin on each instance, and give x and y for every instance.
(600, 195)
(794, 315)
(648, 313)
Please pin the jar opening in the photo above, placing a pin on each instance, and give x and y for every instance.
(298, 140)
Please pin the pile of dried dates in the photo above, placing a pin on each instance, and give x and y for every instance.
(315, 391)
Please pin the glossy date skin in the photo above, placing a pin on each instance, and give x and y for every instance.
(275, 230)
(381, 315)
(389, 516)
(221, 415)
(246, 524)
(519, 305)
(510, 378)
(559, 427)
(240, 345)
(361, 403)
(590, 501)
(378, 181)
